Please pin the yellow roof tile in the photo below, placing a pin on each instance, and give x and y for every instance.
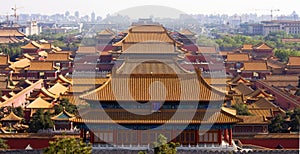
(41, 66)
(31, 45)
(237, 57)
(11, 117)
(39, 103)
(58, 89)
(165, 116)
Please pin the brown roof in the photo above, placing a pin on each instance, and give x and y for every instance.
(39, 103)
(138, 86)
(45, 93)
(225, 53)
(31, 45)
(148, 37)
(43, 53)
(58, 57)
(258, 93)
(210, 50)
(186, 32)
(87, 81)
(237, 57)
(262, 103)
(253, 119)
(58, 89)
(216, 81)
(11, 32)
(63, 79)
(239, 79)
(46, 46)
(41, 66)
(148, 29)
(165, 116)
(106, 32)
(146, 33)
(26, 55)
(294, 61)
(243, 89)
(148, 48)
(86, 49)
(20, 64)
(150, 67)
(82, 88)
(4, 59)
(261, 112)
(255, 66)
(10, 39)
(11, 117)
(262, 46)
(274, 64)
(247, 47)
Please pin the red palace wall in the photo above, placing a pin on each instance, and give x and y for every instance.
(282, 100)
(21, 143)
(287, 143)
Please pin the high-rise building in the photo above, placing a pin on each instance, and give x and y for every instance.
(93, 17)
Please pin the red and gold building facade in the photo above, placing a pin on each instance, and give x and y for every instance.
(149, 94)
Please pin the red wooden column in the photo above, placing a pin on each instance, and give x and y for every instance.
(225, 134)
(84, 135)
(197, 136)
(91, 136)
(81, 133)
(230, 136)
(219, 136)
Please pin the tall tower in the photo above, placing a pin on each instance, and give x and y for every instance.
(77, 14)
(93, 17)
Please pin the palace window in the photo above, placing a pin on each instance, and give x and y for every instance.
(186, 137)
(208, 137)
(103, 137)
(126, 137)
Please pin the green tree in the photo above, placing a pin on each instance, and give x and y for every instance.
(68, 146)
(241, 109)
(65, 104)
(283, 54)
(276, 124)
(161, 146)
(40, 120)
(18, 111)
(204, 41)
(295, 120)
(3, 145)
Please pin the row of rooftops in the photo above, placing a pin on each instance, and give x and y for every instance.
(37, 96)
(258, 98)
(29, 62)
(11, 35)
(138, 83)
(41, 45)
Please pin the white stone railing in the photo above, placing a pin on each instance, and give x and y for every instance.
(212, 147)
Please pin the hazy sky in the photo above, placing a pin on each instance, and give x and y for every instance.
(103, 7)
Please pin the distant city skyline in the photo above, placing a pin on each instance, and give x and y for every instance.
(102, 8)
